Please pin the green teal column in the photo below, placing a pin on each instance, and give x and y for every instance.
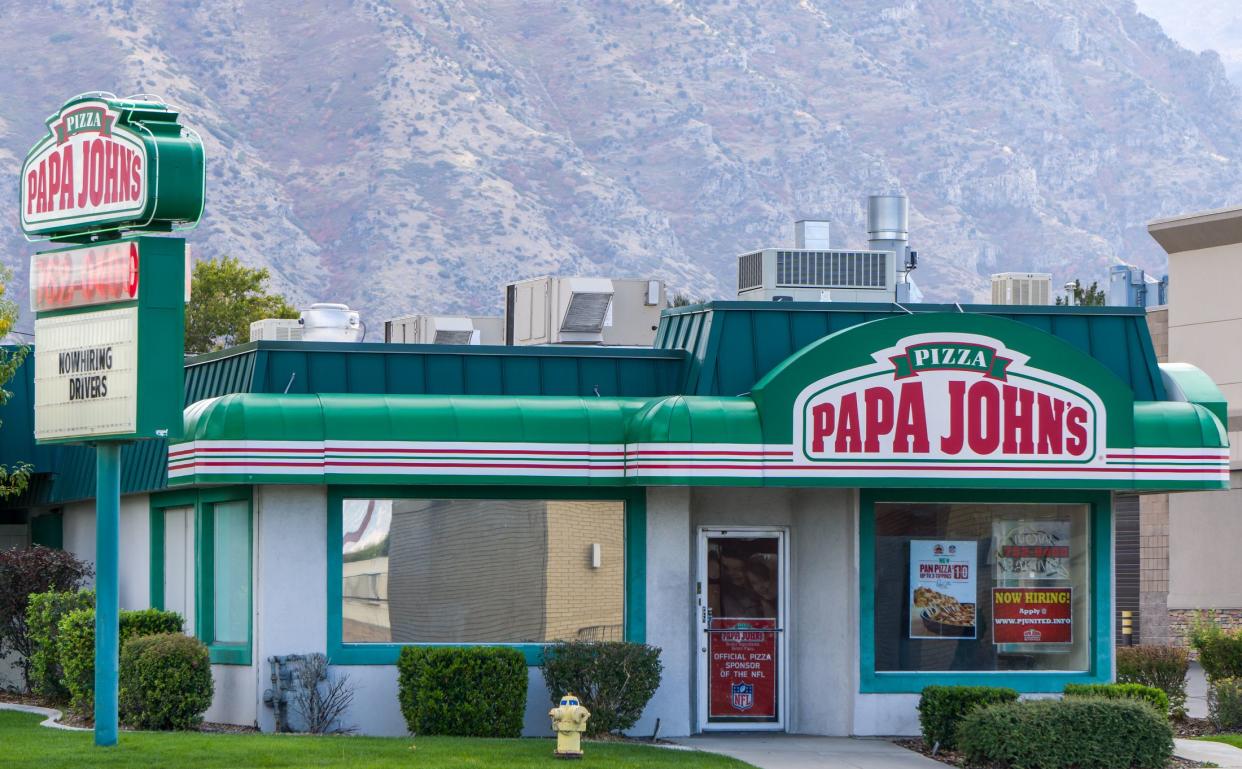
(107, 591)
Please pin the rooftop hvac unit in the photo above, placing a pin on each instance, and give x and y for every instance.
(443, 329)
(276, 330)
(1022, 288)
(551, 310)
(1131, 286)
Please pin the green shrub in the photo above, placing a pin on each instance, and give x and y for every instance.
(165, 681)
(1076, 732)
(1163, 667)
(613, 680)
(942, 707)
(76, 647)
(468, 691)
(43, 616)
(1225, 704)
(1220, 650)
(1149, 694)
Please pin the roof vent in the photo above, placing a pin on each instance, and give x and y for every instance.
(329, 322)
(586, 312)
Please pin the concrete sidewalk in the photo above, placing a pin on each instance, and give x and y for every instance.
(794, 751)
(1218, 753)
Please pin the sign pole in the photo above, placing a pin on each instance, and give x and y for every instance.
(107, 591)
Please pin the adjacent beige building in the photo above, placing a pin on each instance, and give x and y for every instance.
(1189, 551)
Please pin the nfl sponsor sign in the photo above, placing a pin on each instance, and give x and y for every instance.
(948, 401)
(743, 697)
(111, 164)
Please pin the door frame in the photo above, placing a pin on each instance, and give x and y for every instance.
(781, 534)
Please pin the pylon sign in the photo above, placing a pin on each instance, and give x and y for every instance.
(109, 165)
(110, 312)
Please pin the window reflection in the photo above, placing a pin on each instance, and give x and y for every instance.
(481, 571)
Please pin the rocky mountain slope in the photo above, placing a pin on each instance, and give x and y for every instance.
(411, 155)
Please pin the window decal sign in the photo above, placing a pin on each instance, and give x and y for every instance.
(1033, 549)
(948, 401)
(742, 668)
(1032, 615)
(942, 588)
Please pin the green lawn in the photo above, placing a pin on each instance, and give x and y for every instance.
(24, 743)
(1229, 739)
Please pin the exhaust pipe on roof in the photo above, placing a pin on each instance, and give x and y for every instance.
(888, 217)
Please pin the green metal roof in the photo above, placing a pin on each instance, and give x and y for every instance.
(732, 345)
(719, 348)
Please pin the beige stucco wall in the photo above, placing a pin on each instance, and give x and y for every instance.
(1205, 326)
(1205, 315)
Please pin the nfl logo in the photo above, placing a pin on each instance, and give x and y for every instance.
(743, 696)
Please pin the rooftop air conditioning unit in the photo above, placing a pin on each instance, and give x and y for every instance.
(276, 330)
(1022, 288)
(443, 329)
(558, 310)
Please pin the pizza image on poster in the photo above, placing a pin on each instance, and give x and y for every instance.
(1032, 615)
(942, 589)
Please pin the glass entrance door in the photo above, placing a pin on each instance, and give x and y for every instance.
(741, 596)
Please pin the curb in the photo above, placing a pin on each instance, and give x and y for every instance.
(52, 720)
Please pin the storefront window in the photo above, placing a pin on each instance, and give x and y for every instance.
(982, 587)
(231, 552)
(481, 570)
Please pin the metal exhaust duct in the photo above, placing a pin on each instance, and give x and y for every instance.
(888, 217)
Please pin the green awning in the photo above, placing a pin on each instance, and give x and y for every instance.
(679, 440)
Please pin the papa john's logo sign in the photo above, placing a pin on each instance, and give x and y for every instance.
(950, 400)
(89, 169)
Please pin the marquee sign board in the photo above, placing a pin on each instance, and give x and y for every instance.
(110, 165)
(109, 339)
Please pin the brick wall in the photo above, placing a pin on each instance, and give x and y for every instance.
(584, 602)
(1154, 568)
(1181, 620)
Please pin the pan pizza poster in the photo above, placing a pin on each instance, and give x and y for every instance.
(942, 588)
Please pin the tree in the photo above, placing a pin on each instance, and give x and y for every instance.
(226, 298)
(1091, 296)
(13, 480)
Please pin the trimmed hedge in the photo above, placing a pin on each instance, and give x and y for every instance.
(43, 617)
(165, 682)
(1073, 733)
(1163, 667)
(614, 680)
(468, 691)
(1149, 694)
(941, 708)
(76, 646)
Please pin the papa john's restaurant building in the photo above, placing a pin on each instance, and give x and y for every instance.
(813, 510)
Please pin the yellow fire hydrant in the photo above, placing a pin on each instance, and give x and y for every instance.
(569, 722)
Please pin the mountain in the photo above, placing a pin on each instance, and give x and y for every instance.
(411, 155)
